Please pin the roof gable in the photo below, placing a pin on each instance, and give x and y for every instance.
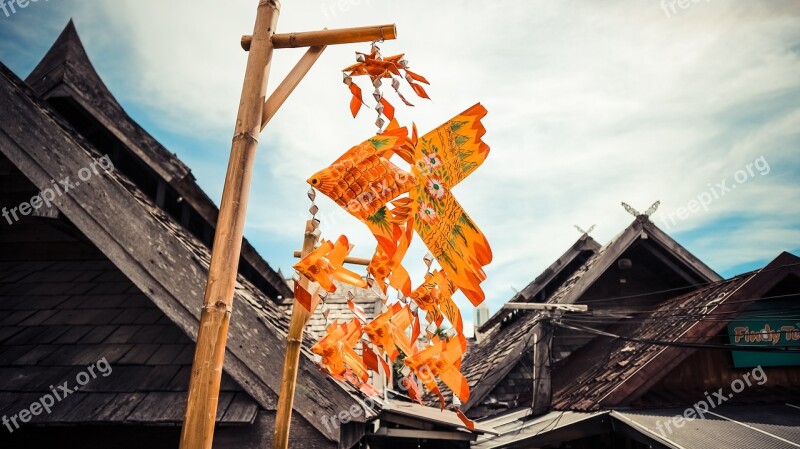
(67, 79)
(689, 266)
(627, 369)
(550, 279)
(507, 341)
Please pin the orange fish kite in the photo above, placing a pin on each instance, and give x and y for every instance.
(365, 182)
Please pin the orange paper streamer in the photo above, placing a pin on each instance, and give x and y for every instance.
(387, 331)
(338, 356)
(324, 264)
(376, 67)
(441, 360)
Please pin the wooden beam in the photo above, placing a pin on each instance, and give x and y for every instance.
(417, 434)
(542, 386)
(348, 259)
(201, 408)
(287, 86)
(329, 37)
(671, 265)
(545, 306)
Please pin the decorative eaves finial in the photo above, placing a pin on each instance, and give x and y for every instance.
(650, 211)
(585, 232)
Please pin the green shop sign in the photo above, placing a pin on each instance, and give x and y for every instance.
(760, 326)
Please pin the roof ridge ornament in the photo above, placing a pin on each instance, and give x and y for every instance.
(586, 232)
(642, 216)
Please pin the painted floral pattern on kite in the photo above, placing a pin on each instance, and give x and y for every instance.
(446, 156)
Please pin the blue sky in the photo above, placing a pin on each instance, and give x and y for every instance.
(590, 103)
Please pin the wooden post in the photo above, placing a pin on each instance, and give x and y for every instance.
(294, 340)
(541, 365)
(201, 408)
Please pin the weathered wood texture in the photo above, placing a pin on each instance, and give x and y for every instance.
(198, 427)
(66, 77)
(542, 369)
(170, 265)
(60, 316)
(329, 37)
(613, 373)
(294, 339)
(136, 436)
(504, 343)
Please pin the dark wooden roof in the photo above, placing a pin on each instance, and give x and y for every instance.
(158, 255)
(550, 279)
(609, 372)
(60, 317)
(67, 78)
(505, 343)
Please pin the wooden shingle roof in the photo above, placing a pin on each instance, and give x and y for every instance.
(60, 317)
(503, 344)
(609, 372)
(158, 255)
(66, 76)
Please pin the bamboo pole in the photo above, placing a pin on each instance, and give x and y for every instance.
(329, 37)
(201, 407)
(348, 259)
(294, 340)
(287, 86)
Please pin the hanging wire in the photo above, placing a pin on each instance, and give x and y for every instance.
(681, 344)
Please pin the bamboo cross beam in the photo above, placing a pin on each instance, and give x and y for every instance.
(351, 260)
(329, 37)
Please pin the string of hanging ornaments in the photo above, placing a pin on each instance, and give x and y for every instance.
(395, 203)
(377, 68)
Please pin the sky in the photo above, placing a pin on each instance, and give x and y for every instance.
(694, 104)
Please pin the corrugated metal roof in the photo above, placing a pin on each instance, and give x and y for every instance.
(515, 429)
(434, 415)
(731, 427)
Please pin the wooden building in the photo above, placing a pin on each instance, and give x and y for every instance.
(671, 377)
(639, 268)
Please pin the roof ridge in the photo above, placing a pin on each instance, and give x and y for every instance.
(68, 60)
